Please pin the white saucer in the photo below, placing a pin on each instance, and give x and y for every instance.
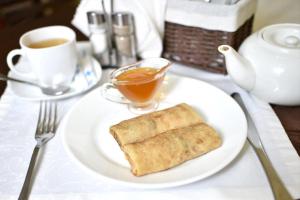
(88, 74)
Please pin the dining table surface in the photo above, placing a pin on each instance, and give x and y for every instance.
(57, 176)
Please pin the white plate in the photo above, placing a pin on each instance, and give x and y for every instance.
(87, 139)
(87, 76)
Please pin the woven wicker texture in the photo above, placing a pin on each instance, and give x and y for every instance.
(198, 47)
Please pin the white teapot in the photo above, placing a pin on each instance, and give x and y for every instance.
(268, 64)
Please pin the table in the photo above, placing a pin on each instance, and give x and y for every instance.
(289, 116)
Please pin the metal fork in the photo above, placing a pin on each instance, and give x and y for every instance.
(45, 131)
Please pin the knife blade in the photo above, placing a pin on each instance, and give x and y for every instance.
(223, 2)
(278, 188)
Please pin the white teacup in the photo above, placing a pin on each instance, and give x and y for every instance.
(51, 52)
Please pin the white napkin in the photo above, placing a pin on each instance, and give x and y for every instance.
(210, 15)
(148, 16)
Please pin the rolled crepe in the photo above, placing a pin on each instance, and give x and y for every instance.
(146, 126)
(171, 148)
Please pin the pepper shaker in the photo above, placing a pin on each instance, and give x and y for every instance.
(124, 38)
(98, 36)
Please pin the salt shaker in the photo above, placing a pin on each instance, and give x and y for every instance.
(98, 36)
(124, 38)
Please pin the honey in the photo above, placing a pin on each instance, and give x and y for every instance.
(139, 84)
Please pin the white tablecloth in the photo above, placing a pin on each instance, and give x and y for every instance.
(59, 178)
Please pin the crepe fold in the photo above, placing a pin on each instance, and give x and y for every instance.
(171, 148)
(149, 125)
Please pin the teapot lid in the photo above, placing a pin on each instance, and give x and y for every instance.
(286, 36)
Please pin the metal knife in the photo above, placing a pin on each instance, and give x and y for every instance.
(279, 190)
(223, 2)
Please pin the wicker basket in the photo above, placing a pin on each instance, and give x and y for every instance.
(197, 47)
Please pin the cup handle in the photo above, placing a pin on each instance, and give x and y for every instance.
(110, 92)
(12, 66)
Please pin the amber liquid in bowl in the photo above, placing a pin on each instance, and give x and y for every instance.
(139, 85)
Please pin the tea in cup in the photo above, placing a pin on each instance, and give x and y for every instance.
(51, 52)
(138, 83)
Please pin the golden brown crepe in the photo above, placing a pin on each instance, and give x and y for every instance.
(146, 126)
(171, 148)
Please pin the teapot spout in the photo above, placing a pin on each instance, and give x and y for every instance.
(238, 68)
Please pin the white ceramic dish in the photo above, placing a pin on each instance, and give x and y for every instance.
(87, 76)
(87, 139)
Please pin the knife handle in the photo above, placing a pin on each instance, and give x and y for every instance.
(279, 190)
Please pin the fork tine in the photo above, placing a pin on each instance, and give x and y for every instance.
(55, 118)
(43, 125)
(49, 118)
(47, 121)
(39, 119)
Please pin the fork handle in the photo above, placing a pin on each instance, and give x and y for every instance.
(26, 185)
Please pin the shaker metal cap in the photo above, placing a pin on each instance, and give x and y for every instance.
(95, 17)
(122, 18)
